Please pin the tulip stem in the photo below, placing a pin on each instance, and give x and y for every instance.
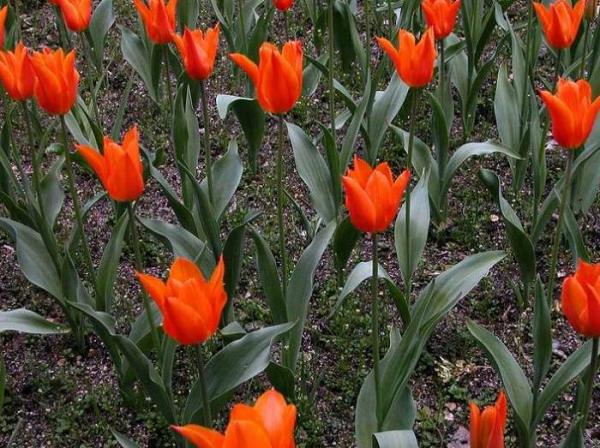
(589, 387)
(77, 207)
(280, 208)
(207, 154)
(375, 328)
(139, 266)
(169, 90)
(391, 22)
(586, 39)
(564, 199)
(330, 65)
(203, 387)
(242, 25)
(90, 81)
(367, 8)
(411, 140)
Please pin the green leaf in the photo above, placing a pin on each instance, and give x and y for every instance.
(312, 76)
(269, 278)
(235, 364)
(542, 336)
(101, 22)
(35, 261)
(515, 382)
(395, 439)
(251, 118)
(25, 321)
(344, 241)
(135, 53)
(107, 270)
(314, 171)
(300, 289)
(419, 228)
(53, 196)
(507, 111)
(385, 108)
(520, 243)
(574, 438)
(349, 141)
(123, 440)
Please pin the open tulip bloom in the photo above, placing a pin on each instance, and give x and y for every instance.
(487, 427)
(581, 299)
(560, 22)
(76, 14)
(16, 73)
(198, 50)
(158, 18)
(441, 16)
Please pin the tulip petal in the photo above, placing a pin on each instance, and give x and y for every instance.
(245, 434)
(200, 436)
(155, 288)
(574, 302)
(247, 65)
(360, 207)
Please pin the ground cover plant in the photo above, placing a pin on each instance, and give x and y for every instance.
(277, 224)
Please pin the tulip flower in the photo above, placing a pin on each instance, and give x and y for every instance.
(191, 306)
(76, 14)
(414, 61)
(572, 111)
(441, 15)
(16, 73)
(56, 81)
(283, 5)
(560, 22)
(487, 427)
(120, 168)
(373, 196)
(158, 18)
(581, 299)
(198, 51)
(3, 15)
(269, 423)
(278, 76)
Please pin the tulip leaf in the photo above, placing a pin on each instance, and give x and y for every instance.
(520, 242)
(542, 335)
(349, 141)
(53, 196)
(344, 241)
(134, 52)
(100, 24)
(235, 364)
(574, 438)
(269, 277)
(506, 108)
(419, 228)
(311, 76)
(395, 439)
(252, 121)
(385, 108)
(123, 440)
(300, 289)
(33, 257)
(25, 321)
(107, 270)
(314, 171)
(515, 381)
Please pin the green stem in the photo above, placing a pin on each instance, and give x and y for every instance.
(585, 46)
(375, 329)
(330, 64)
(242, 25)
(391, 21)
(77, 207)
(207, 153)
(280, 209)
(90, 79)
(139, 266)
(524, 107)
(564, 199)
(204, 389)
(367, 8)
(169, 90)
(411, 139)
(589, 387)
(24, 184)
(65, 40)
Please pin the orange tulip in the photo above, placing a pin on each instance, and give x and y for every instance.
(572, 111)
(56, 81)
(487, 427)
(560, 22)
(198, 51)
(278, 76)
(414, 62)
(441, 15)
(283, 5)
(372, 195)
(3, 15)
(16, 73)
(269, 423)
(120, 168)
(191, 306)
(76, 14)
(581, 299)
(158, 18)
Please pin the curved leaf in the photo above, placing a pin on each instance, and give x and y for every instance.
(107, 270)
(25, 321)
(396, 439)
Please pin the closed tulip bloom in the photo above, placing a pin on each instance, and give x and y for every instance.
(270, 423)
(198, 50)
(119, 168)
(487, 427)
(560, 22)
(158, 18)
(3, 15)
(191, 305)
(16, 73)
(414, 61)
(278, 76)
(581, 299)
(283, 5)
(56, 81)
(572, 111)
(76, 13)
(372, 195)
(441, 16)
